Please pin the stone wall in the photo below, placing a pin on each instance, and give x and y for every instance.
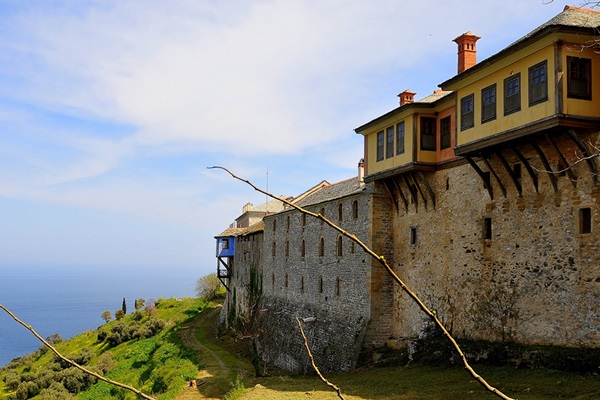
(247, 262)
(536, 266)
(334, 288)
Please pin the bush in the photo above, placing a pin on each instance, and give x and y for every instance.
(12, 380)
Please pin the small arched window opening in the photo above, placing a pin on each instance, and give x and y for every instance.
(321, 246)
(339, 246)
(355, 209)
(302, 248)
(337, 287)
(287, 223)
(303, 220)
(321, 285)
(286, 280)
(273, 249)
(340, 211)
(287, 248)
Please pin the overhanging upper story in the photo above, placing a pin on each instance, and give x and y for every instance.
(546, 80)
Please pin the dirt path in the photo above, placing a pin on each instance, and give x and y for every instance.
(219, 367)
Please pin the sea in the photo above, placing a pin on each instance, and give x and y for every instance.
(69, 301)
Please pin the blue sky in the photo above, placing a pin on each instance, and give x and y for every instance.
(111, 111)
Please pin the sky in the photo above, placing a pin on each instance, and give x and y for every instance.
(111, 111)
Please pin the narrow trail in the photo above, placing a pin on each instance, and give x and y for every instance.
(219, 367)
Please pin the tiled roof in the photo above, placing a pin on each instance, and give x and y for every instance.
(332, 192)
(432, 98)
(259, 226)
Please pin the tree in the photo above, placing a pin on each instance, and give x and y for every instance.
(106, 316)
(208, 286)
(119, 314)
(139, 304)
(124, 306)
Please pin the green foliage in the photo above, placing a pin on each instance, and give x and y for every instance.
(119, 314)
(124, 306)
(139, 304)
(152, 359)
(209, 287)
(237, 391)
(106, 316)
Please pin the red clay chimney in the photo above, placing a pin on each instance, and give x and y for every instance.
(406, 97)
(467, 51)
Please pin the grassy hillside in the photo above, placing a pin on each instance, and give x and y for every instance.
(186, 348)
(142, 350)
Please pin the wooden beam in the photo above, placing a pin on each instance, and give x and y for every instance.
(510, 172)
(528, 167)
(591, 161)
(387, 188)
(568, 169)
(404, 200)
(493, 171)
(413, 195)
(428, 187)
(546, 164)
(487, 184)
(412, 175)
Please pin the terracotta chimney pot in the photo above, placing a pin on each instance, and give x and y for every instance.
(467, 50)
(406, 97)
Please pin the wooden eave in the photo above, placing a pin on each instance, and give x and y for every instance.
(553, 122)
(405, 108)
(414, 166)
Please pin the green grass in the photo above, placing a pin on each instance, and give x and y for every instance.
(160, 364)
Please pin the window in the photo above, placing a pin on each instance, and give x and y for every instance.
(302, 284)
(579, 84)
(355, 209)
(274, 225)
(340, 211)
(428, 133)
(380, 143)
(488, 103)
(302, 248)
(322, 212)
(400, 138)
(273, 249)
(339, 246)
(585, 220)
(321, 247)
(286, 280)
(389, 142)
(287, 223)
(321, 285)
(538, 83)
(337, 286)
(413, 235)
(287, 248)
(512, 94)
(273, 280)
(487, 228)
(225, 244)
(303, 220)
(352, 247)
(445, 131)
(467, 112)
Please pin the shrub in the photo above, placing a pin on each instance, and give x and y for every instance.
(12, 380)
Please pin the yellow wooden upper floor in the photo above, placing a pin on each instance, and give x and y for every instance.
(548, 78)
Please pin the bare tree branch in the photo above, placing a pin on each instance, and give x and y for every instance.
(312, 361)
(384, 263)
(73, 363)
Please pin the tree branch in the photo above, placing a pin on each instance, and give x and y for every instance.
(395, 277)
(312, 361)
(73, 363)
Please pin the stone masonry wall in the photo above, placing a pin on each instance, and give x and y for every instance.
(537, 265)
(333, 288)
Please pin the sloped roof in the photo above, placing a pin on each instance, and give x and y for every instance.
(426, 101)
(332, 192)
(235, 232)
(571, 18)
